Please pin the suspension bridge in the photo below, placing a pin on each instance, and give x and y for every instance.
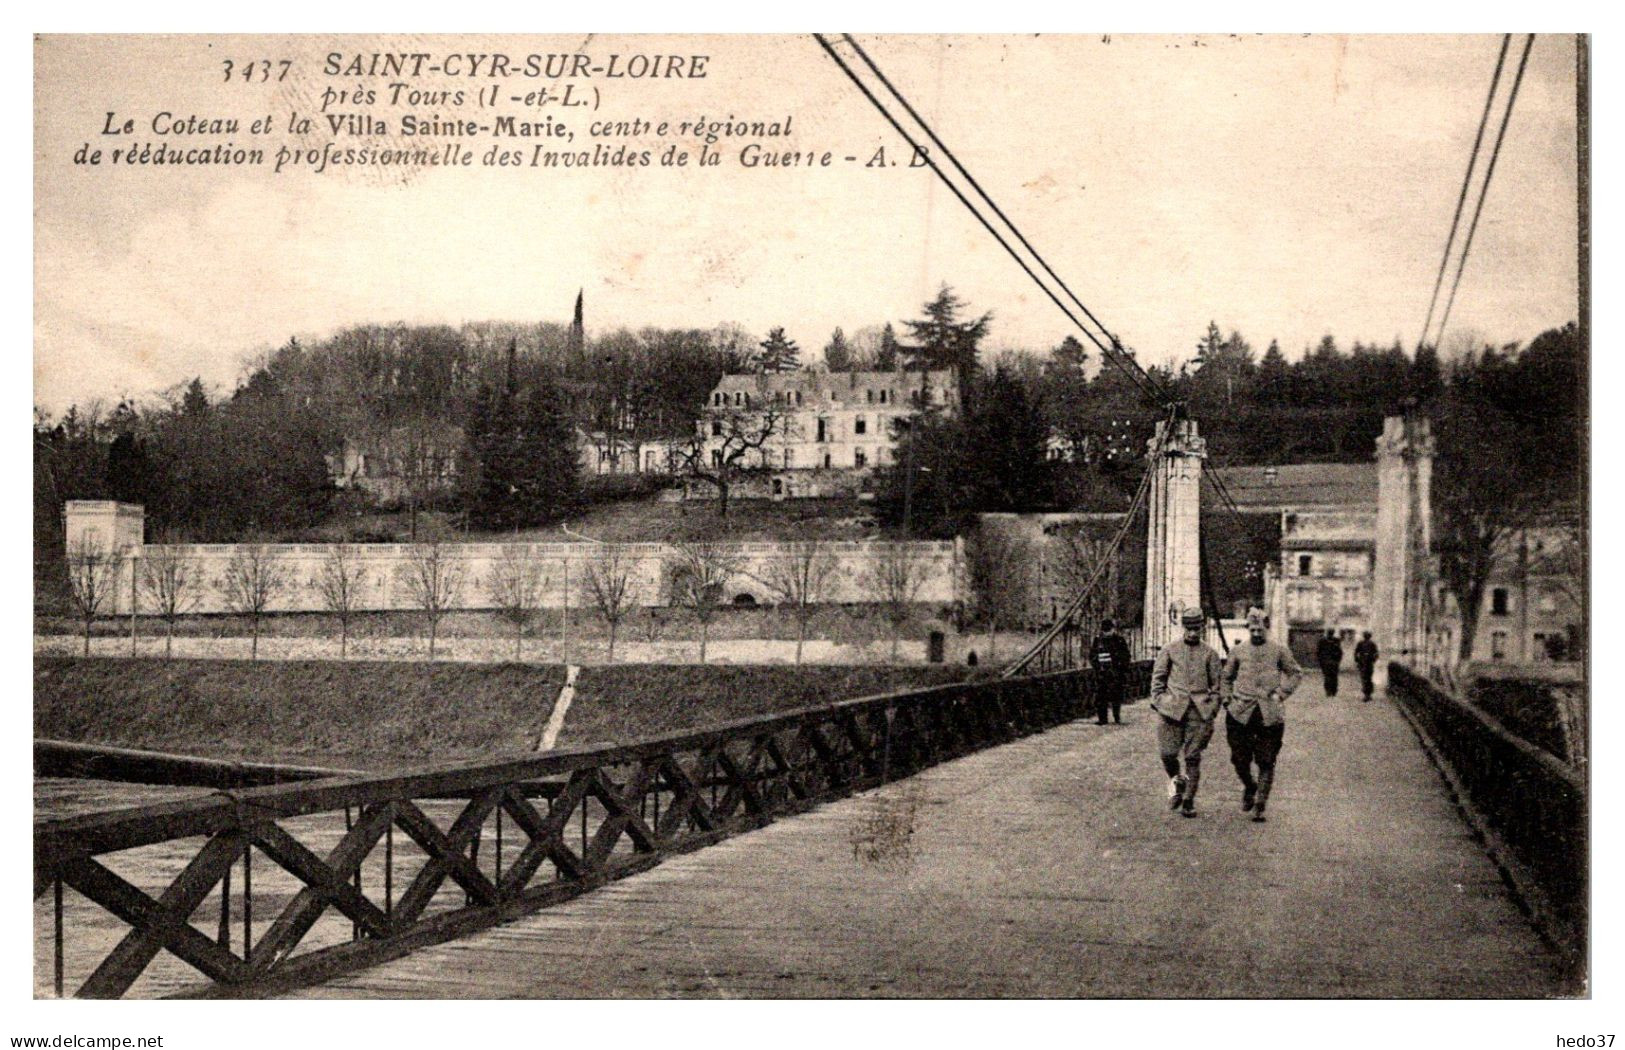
(975, 840)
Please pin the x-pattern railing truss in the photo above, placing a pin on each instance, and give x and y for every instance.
(580, 818)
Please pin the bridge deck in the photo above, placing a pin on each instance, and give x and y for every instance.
(1052, 867)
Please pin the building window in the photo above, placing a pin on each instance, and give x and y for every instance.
(778, 486)
(789, 458)
(716, 457)
(1306, 564)
(860, 425)
(871, 394)
(826, 461)
(649, 460)
(859, 459)
(716, 428)
(1498, 645)
(823, 430)
(1498, 601)
(798, 397)
(883, 396)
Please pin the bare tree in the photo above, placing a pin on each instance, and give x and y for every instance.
(798, 579)
(1567, 557)
(93, 574)
(339, 582)
(423, 455)
(998, 566)
(699, 575)
(169, 582)
(254, 579)
(514, 589)
(433, 578)
(609, 585)
(893, 580)
(730, 444)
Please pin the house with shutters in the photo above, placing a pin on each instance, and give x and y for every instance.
(817, 434)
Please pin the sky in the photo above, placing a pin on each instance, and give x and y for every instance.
(1284, 186)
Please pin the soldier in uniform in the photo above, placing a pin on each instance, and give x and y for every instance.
(1365, 658)
(1329, 655)
(1110, 658)
(1185, 689)
(1258, 677)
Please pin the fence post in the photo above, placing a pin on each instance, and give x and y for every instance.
(248, 898)
(57, 893)
(225, 910)
(133, 603)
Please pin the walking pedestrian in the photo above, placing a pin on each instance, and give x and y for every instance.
(1185, 691)
(1329, 655)
(1365, 658)
(1258, 677)
(1109, 656)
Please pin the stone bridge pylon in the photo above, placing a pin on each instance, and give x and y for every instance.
(1173, 549)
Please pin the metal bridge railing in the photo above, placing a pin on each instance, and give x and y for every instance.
(339, 873)
(1531, 804)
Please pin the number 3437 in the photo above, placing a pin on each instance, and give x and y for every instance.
(261, 70)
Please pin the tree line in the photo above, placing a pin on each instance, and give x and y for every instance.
(1034, 430)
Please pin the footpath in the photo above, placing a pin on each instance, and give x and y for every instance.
(1052, 867)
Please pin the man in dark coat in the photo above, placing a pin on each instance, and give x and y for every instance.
(1365, 658)
(1329, 655)
(1110, 658)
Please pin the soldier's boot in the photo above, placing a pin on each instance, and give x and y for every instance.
(1266, 779)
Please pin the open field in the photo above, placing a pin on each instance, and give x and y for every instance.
(383, 715)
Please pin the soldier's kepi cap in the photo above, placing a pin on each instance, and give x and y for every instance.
(1255, 620)
(1192, 618)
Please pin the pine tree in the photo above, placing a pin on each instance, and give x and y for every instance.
(129, 467)
(941, 340)
(524, 456)
(838, 352)
(1426, 378)
(890, 350)
(195, 402)
(1274, 376)
(1069, 354)
(779, 354)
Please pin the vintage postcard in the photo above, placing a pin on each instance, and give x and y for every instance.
(788, 516)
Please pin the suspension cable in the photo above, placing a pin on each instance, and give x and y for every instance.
(1116, 344)
(1466, 182)
(1146, 386)
(1094, 579)
(1483, 191)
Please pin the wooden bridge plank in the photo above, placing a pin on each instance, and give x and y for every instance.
(1051, 866)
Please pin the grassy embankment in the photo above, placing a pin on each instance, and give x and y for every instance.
(394, 715)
